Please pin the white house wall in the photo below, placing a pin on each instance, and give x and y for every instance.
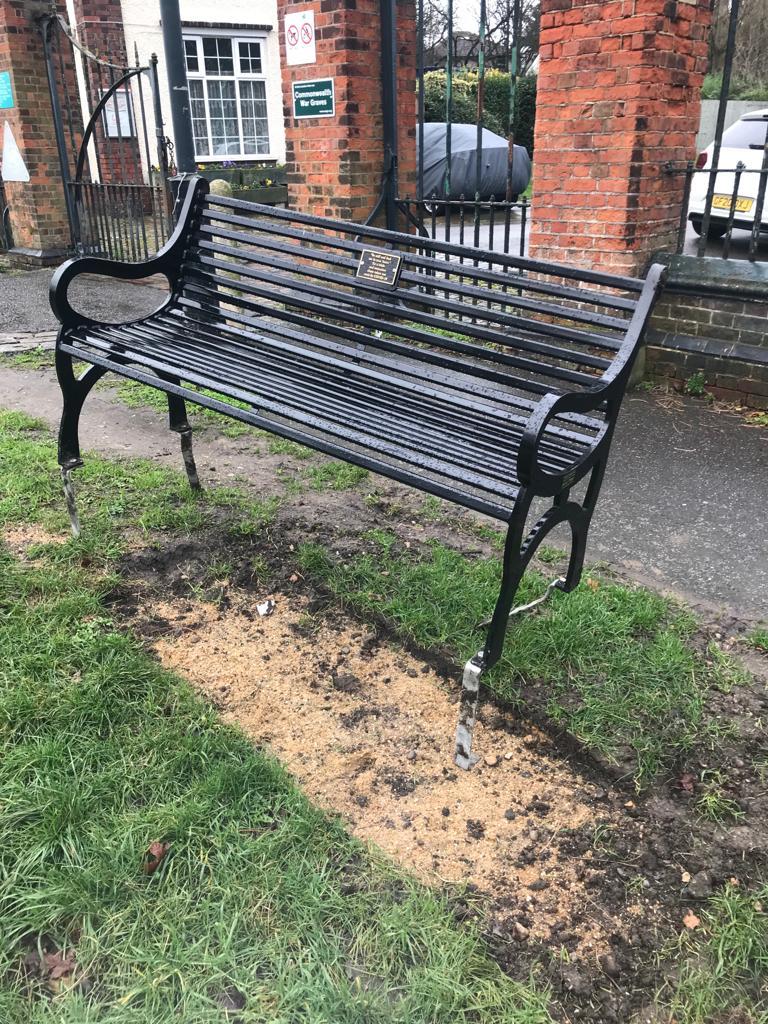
(141, 19)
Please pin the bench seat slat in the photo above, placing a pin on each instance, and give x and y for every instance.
(414, 428)
(450, 374)
(209, 296)
(428, 402)
(198, 373)
(369, 296)
(478, 502)
(412, 258)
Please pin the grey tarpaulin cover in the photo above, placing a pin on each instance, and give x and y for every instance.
(493, 178)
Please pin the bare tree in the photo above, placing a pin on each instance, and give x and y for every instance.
(750, 63)
(499, 35)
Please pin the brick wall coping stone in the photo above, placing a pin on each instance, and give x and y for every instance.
(707, 276)
(736, 350)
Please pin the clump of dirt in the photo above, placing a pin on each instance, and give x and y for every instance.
(368, 733)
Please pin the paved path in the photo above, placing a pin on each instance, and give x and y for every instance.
(24, 304)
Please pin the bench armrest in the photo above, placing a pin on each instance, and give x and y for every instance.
(167, 261)
(605, 396)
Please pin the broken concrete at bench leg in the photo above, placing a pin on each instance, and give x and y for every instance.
(69, 495)
(189, 459)
(470, 692)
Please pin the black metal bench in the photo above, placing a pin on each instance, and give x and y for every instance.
(485, 379)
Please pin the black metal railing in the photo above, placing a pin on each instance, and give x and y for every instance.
(493, 225)
(724, 212)
(114, 170)
(6, 238)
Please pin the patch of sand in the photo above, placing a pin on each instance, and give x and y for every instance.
(367, 730)
(19, 539)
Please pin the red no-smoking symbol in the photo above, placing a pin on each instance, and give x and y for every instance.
(293, 35)
(306, 33)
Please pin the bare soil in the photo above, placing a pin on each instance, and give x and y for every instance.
(563, 865)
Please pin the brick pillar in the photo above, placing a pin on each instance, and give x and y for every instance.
(619, 95)
(334, 164)
(37, 211)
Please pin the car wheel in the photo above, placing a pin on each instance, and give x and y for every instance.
(714, 232)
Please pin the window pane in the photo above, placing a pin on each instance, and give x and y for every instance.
(222, 106)
(190, 54)
(199, 124)
(253, 110)
(746, 134)
(250, 58)
(217, 53)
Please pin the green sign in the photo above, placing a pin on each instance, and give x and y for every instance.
(314, 99)
(6, 91)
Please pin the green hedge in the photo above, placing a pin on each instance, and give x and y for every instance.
(496, 115)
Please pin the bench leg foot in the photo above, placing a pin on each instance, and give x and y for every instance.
(189, 459)
(69, 496)
(470, 692)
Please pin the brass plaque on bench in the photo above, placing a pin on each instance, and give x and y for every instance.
(379, 267)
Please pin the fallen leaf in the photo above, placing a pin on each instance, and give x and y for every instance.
(154, 857)
(592, 583)
(691, 921)
(59, 972)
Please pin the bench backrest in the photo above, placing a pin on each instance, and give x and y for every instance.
(504, 321)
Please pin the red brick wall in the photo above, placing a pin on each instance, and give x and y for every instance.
(37, 211)
(334, 165)
(618, 96)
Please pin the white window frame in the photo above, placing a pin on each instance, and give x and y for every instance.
(235, 37)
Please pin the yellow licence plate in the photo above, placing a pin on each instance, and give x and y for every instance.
(743, 205)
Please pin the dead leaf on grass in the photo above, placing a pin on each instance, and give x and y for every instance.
(58, 971)
(154, 857)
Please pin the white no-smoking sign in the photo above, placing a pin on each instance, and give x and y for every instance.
(300, 37)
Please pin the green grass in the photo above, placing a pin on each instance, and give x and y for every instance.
(137, 395)
(713, 802)
(104, 753)
(112, 497)
(32, 359)
(724, 964)
(614, 662)
(335, 476)
(282, 446)
(759, 638)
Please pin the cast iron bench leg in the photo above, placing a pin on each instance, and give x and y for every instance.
(178, 422)
(517, 555)
(74, 392)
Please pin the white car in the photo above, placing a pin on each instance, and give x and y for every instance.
(743, 142)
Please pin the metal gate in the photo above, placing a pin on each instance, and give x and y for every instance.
(452, 66)
(724, 190)
(114, 173)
